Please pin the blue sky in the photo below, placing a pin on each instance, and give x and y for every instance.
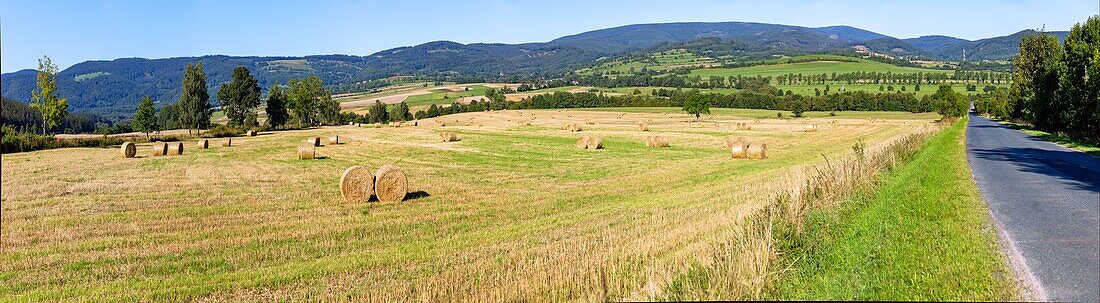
(75, 31)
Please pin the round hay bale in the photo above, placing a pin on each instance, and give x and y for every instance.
(448, 137)
(377, 124)
(582, 142)
(335, 139)
(416, 122)
(251, 133)
(315, 141)
(757, 151)
(574, 127)
(649, 141)
(357, 184)
(594, 142)
(737, 148)
(176, 148)
(390, 184)
(642, 127)
(811, 128)
(587, 121)
(307, 151)
(129, 150)
(228, 142)
(204, 144)
(657, 141)
(160, 149)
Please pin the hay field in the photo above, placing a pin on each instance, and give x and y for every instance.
(510, 212)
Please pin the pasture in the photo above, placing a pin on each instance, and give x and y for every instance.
(512, 211)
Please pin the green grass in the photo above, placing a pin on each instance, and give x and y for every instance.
(440, 96)
(925, 234)
(1060, 139)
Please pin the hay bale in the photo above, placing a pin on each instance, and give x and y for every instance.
(377, 124)
(448, 137)
(588, 122)
(335, 139)
(357, 184)
(204, 144)
(573, 127)
(390, 184)
(744, 126)
(756, 151)
(175, 148)
(228, 142)
(656, 141)
(594, 142)
(582, 142)
(251, 133)
(811, 128)
(129, 150)
(737, 147)
(307, 151)
(642, 127)
(315, 141)
(416, 122)
(160, 149)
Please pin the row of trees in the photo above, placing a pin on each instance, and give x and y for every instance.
(1056, 87)
(304, 102)
(683, 81)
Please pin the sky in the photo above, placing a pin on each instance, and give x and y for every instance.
(71, 32)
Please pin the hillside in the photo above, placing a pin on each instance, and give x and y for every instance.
(113, 88)
(996, 48)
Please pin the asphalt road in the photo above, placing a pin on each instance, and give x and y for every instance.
(1047, 199)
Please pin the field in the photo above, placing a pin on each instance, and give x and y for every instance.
(510, 212)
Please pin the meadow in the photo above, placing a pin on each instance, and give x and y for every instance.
(510, 212)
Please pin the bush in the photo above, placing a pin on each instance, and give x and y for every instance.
(221, 130)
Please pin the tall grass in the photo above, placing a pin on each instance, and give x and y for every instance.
(747, 263)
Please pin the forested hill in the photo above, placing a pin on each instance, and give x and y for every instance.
(113, 88)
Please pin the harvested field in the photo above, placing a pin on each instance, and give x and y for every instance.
(510, 213)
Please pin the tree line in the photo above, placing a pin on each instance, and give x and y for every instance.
(1056, 87)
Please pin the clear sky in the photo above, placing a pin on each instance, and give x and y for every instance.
(75, 31)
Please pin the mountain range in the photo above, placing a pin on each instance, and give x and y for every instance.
(114, 87)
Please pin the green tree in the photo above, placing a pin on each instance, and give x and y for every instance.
(276, 107)
(377, 113)
(52, 107)
(948, 102)
(305, 96)
(194, 102)
(240, 97)
(1079, 84)
(1036, 79)
(697, 104)
(169, 117)
(328, 110)
(399, 112)
(145, 119)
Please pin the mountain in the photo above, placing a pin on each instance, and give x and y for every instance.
(113, 88)
(640, 36)
(996, 48)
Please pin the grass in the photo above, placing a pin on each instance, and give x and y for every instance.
(439, 96)
(509, 213)
(925, 234)
(1060, 139)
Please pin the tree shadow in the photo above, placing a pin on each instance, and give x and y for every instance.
(1077, 169)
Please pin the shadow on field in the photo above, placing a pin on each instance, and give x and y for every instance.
(1074, 168)
(416, 195)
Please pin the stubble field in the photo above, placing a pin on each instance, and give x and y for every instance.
(510, 212)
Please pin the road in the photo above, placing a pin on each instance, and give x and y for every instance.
(1047, 200)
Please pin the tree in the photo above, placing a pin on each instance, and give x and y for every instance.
(948, 102)
(697, 104)
(305, 96)
(194, 102)
(52, 107)
(377, 113)
(145, 119)
(399, 112)
(1079, 82)
(276, 107)
(328, 110)
(1036, 80)
(240, 97)
(169, 117)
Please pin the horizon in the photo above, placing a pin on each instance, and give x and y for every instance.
(327, 28)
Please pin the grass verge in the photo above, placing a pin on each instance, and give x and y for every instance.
(923, 234)
(1092, 148)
